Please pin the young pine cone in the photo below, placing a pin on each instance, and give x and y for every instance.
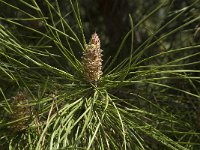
(92, 61)
(20, 110)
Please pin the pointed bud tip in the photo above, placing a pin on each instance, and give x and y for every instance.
(95, 39)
